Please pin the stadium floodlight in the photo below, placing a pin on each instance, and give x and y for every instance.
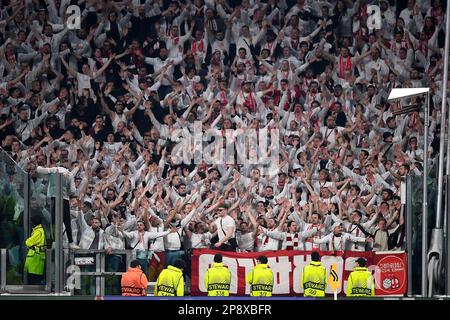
(399, 93)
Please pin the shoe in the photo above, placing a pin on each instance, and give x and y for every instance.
(73, 246)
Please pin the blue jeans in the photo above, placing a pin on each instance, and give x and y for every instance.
(172, 256)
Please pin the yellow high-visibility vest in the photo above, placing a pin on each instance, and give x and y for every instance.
(218, 280)
(35, 260)
(360, 283)
(170, 282)
(314, 279)
(261, 281)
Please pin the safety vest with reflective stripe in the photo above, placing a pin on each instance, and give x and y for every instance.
(35, 260)
(314, 279)
(218, 280)
(261, 281)
(134, 283)
(360, 283)
(170, 282)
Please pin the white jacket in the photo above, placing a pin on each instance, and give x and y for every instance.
(336, 243)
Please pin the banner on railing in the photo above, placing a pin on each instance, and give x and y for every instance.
(388, 268)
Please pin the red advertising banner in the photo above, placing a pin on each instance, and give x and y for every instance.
(388, 268)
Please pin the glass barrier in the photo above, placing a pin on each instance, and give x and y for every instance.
(114, 263)
(23, 196)
(417, 201)
(13, 181)
(43, 205)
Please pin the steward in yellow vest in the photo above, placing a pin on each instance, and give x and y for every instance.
(360, 282)
(35, 260)
(218, 278)
(170, 282)
(314, 277)
(260, 279)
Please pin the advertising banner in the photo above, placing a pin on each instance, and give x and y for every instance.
(388, 268)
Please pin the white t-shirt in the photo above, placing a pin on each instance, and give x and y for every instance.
(330, 134)
(200, 241)
(223, 224)
(84, 82)
(245, 241)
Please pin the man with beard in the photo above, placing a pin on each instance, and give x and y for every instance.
(338, 240)
(262, 241)
(156, 264)
(84, 78)
(271, 44)
(159, 63)
(119, 115)
(179, 192)
(48, 37)
(293, 238)
(356, 228)
(23, 125)
(315, 223)
(175, 40)
(221, 43)
(330, 130)
(268, 196)
(344, 61)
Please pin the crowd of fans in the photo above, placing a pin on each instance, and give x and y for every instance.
(100, 104)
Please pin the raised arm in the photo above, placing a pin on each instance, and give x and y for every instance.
(104, 67)
(71, 71)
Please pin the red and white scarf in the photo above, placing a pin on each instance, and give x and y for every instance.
(423, 48)
(175, 40)
(270, 46)
(223, 97)
(344, 66)
(198, 46)
(395, 46)
(340, 246)
(305, 84)
(291, 242)
(316, 236)
(249, 101)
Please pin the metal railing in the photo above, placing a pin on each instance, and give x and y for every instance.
(14, 288)
(100, 267)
